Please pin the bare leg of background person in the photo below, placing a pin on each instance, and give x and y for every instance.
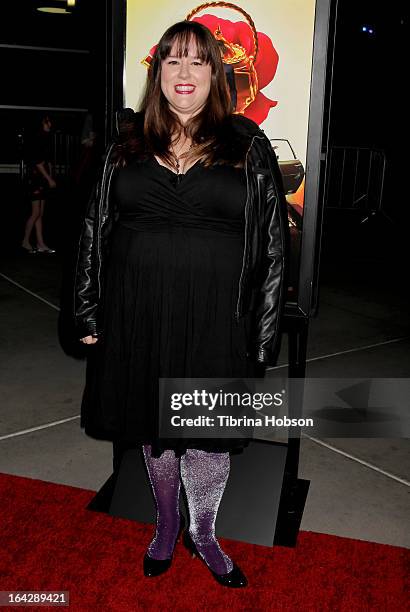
(163, 473)
(35, 213)
(204, 476)
(39, 228)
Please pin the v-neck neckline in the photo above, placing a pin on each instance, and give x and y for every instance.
(175, 174)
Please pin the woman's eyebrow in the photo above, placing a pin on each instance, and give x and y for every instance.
(179, 56)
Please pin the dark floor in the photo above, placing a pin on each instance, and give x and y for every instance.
(358, 487)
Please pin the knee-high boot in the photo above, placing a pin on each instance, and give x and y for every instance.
(204, 476)
(163, 473)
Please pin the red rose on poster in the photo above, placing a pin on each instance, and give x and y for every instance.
(240, 33)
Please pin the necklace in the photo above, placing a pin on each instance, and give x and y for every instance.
(177, 158)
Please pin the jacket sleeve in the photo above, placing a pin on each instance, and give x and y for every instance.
(87, 276)
(271, 294)
(86, 293)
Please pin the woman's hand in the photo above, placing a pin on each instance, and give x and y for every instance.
(51, 183)
(89, 340)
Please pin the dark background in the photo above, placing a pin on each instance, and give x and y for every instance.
(66, 69)
(368, 101)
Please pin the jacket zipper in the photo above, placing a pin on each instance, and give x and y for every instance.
(100, 218)
(246, 230)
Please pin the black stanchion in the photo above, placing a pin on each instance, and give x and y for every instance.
(294, 490)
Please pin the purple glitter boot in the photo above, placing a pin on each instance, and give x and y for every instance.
(204, 476)
(165, 482)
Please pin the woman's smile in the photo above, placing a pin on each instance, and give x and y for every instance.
(184, 88)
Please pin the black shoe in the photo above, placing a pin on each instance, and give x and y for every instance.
(235, 578)
(46, 250)
(29, 250)
(155, 567)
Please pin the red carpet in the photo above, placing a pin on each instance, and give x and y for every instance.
(49, 541)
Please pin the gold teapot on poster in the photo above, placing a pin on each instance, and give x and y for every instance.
(235, 55)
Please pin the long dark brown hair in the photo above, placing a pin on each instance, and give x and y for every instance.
(210, 130)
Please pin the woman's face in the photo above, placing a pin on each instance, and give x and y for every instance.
(185, 82)
(46, 124)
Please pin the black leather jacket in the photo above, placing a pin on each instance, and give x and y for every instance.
(262, 281)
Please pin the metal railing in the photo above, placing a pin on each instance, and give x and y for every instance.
(65, 151)
(355, 179)
(66, 148)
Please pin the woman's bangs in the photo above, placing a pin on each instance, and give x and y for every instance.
(182, 40)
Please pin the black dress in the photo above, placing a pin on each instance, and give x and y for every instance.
(40, 150)
(170, 297)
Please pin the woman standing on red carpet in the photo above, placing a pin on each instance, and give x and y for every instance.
(180, 274)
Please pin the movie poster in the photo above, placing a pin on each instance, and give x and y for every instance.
(269, 46)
